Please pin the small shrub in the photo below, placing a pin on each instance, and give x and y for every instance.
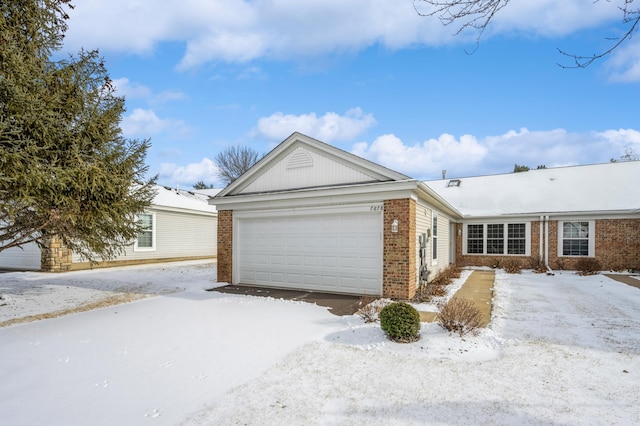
(454, 271)
(512, 266)
(460, 316)
(588, 266)
(422, 294)
(560, 264)
(537, 265)
(370, 308)
(401, 322)
(494, 263)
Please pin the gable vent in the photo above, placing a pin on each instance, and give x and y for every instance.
(300, 158)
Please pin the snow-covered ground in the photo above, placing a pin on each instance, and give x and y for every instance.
(560, 349)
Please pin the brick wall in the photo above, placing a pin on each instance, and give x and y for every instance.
(617, 247)
(399, 250)
(618, 243)
(225, 246)
(55, 257)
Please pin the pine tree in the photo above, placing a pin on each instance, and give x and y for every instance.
(65, 168)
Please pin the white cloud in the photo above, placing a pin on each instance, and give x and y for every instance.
(330, 127)
(624, 64)
(470, 155)
(185, 176)
(145, 123)
(132, 90)
(237, 30)
(129, 89)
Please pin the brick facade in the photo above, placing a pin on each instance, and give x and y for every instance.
(55, 257)
(617, 247)
(399, 250)
(225, 246)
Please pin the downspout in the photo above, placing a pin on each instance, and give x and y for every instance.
(541, 240)
(546, 246)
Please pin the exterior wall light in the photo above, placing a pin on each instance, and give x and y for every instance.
(394, 226)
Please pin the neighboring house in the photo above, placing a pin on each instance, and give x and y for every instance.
(181, 225)
(311, 216)
(556, 216)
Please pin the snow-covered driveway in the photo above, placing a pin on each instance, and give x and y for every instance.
(153, 360)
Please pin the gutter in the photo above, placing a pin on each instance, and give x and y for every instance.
(546, 244)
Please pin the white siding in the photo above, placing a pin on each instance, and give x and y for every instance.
(26, 258)
(424, 224)
(303, 168)
(178, 234)
(443, 242)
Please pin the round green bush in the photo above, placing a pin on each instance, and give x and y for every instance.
(401, 322)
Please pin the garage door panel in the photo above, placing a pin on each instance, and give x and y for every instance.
(339, 252)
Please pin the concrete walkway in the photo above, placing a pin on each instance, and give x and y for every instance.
(479, 289)
(626, 279)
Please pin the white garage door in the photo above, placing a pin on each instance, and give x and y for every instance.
(337, 252)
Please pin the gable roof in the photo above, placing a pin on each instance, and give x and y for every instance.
(609, 187)
(301, 162)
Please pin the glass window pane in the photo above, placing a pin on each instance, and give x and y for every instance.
(434, 249)
(575, 247)
(145, 238)
(516, 238)
(475, 239)
(575, 230)
(495, 238)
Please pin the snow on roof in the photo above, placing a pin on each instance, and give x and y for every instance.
(181, 199)
(592, 188)
(211, 192)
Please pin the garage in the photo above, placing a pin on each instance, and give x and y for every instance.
(337, 249)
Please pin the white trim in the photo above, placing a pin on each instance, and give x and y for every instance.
(591, 238)
(506, 237)
(153, 235)
(434, 238)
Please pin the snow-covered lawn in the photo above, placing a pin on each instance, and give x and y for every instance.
(560, 349)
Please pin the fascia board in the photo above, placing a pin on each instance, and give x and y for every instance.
(350, 193)
(212, 213)
(599, 214)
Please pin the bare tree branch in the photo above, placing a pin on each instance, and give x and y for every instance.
(234, 161)
(478, 14)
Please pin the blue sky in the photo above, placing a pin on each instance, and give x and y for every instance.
(368, 76)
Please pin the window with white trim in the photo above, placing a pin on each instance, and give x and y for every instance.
(576, 238)
(146, 240)
(497, 238)
(434, 238)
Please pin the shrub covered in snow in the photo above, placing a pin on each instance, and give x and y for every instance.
(460, 316)
(401, 322)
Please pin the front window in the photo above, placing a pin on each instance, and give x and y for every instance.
(475, 239)
(435, 238)
(516, 238)
(497, 238)
(146, 240)
(576, 238)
